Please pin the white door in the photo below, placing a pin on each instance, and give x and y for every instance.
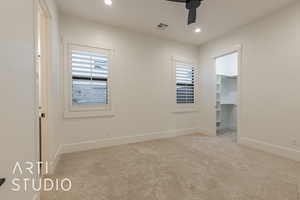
(42, 84)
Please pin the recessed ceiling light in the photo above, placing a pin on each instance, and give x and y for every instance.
(197, 30)
(108, 2)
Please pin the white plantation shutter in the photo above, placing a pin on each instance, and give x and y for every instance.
(89, 78)
(185, 85)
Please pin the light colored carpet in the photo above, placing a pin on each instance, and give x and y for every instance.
(230, 135)
(191, 167)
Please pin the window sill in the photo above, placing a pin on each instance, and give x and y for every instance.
(88, 114)
(182, 111)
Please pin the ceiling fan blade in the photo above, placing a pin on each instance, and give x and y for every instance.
(179, 1)
(192, 16)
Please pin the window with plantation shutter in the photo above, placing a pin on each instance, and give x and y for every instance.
(87, 81)
(185, 85)
(89, 78)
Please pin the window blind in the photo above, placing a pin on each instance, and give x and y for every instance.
(89, 78)
(185, 84)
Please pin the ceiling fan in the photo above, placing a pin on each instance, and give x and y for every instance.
(192, 6)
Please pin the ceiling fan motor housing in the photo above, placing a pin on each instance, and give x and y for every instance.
(192, 4)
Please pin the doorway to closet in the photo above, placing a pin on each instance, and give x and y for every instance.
(227, 75)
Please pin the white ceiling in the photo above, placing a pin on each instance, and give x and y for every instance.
(215, 17)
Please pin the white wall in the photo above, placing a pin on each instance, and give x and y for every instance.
(141, 85)
(269, 81)
(18, 137)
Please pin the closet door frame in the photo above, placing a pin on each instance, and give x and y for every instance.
(233, 49)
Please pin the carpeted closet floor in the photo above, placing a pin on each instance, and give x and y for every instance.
(191, 167)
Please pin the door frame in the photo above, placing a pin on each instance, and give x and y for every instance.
(43, 142)
(236, 48)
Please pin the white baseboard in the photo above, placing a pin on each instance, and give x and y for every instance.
(55, 161)
(36, 196)
(286, 152)
(207, 131)
(89, 145)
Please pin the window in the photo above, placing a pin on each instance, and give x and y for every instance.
(89, 78)
(88, 81)
(185, 85)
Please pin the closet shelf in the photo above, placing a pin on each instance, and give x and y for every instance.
(228, 76)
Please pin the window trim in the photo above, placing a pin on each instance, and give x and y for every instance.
(79, 111)
(184, 108)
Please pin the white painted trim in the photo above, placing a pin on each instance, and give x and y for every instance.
(193, 110)
(36, 89)
(285, 152)
(71, 111)
(89, 145)
(54, 163)
(229, 50)
(36, 196)
(45, 6)
(207, 131)
(89, 114)
(47, 76)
